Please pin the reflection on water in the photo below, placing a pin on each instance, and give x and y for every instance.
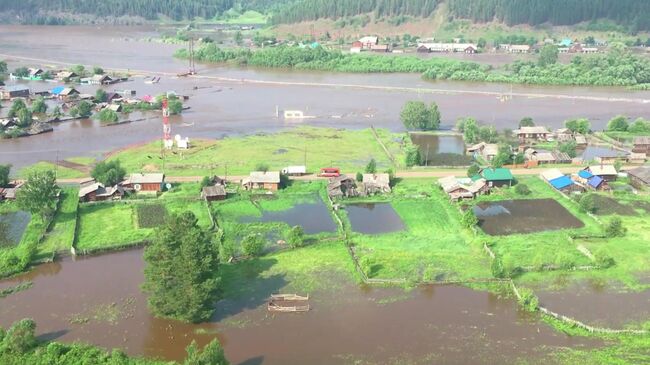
(456, 325)
(312, 217)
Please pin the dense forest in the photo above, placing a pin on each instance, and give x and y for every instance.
(631, 13)
(315, 9)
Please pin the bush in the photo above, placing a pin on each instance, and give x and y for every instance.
(359, 177)
(522, 189)
(469, 219)
(588, 203)
(528, 300)
(296, 237)
(20, 338)
(253, 245)
(615, 228)
(603, 260)
(564, 261)
(497, 269)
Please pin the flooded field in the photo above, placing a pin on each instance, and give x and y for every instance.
(216, 95)
(599, 304)
(312, 217)
(374, 218)
(12, 227)
(524, 216)
(98, 300)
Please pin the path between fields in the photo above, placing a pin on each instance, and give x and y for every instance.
(400, 174)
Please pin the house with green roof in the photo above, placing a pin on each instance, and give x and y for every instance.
(496, 177)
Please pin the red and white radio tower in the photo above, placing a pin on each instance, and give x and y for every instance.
(167, 129)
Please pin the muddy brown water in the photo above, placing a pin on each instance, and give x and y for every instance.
(226, 108)
(524, 216)
(12, 227)
(599, 304)
(441, 150)
(445, 324)
(374, 218)
(312, 217)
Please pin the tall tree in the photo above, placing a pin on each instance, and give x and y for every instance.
(548, 55)
(39, 194)
(181, 273)
(416, 115)
(108, 173)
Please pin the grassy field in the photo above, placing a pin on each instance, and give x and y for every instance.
(61, 234)
(432, 247)
(61, 172)
(349, 150)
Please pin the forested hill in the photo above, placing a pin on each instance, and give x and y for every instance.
(301, 10)
(633, 14)
(43, 11)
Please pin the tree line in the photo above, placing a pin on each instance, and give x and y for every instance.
(632, 13)
(316, 9)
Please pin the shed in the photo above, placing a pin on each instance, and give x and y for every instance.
(641, 145)
(65, 75)
(636, 158)
(640, 176)
(597, 182)
(552, 174)
(607, 172)
(212, 193)
(97, 192)
(562, 183)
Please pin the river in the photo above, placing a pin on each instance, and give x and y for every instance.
(98, 300)
(228, 101)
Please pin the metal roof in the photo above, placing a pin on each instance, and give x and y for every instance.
(156, 178)
(595, 181)
(561, 182)
(271, 177)
(11, 88)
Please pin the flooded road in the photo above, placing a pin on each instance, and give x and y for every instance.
(233, 101)
(98, 300)
(524, 216)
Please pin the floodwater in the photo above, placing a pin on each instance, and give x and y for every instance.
(12, 227)
(222, 104)
(98, 300)
(374, 218)
(524, 216)
(598, 304)
(312, 217)
(438, 149)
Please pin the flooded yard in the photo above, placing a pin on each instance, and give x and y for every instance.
(374, 218)
(441, 150)
(12, 227)
(313, 217)
(98, 300)
(599, 304)
(524, 216)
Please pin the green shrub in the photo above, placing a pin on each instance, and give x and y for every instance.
(528, 300)
(296, 237)
(253, 245)
(615, 228)
(151, 215)
(522, 189)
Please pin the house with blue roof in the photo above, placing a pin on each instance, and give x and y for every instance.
(57, 90)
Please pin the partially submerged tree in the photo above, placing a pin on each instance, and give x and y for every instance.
(108, 116)
(580, 125)
(296, 237)
(39, 106)
(39, 194)
(526, 122)
(618, 124)
(548, 55)
(108, 173)
(20, 338)
(181, 273)
(253, 244)
(212, 354)
(416, 115)
(101, 96)
(84, 109)
(4, 175)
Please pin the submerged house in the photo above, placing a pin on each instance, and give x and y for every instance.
(14, 91)
(496, 177)
(262, 180)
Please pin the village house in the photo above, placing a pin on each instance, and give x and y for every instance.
(114, 98)
(592, 181)
(265, 180)
(495, 177)
(91, 191)
(641, 145)
(67, 93)
(515, 48)
(607, 172)
(380, 48)
(541, 158)
(581, 141)
(145, 182)
(99, 80)
(114, 107)
(367, 42)
(459, 189)
(532, 134)
(564, 135)
(636, 158)
(376, 183)
(65, 76)
(9, 193)
(342, 186)
(608, 157)
(640, 177)
(487, 151)
(214, 193)
(14, 91)
(36, 73)
(448, 47)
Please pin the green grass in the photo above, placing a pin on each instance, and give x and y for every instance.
(150, 215)
(82, 160)
(433, 247)
(61, 172)
(108, 225)
(349, 150)
(62, 230)
(247, 17)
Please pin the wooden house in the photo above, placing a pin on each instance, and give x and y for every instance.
(457, 189)
(376, 183)
(342, 186)
(607, 172)
(264, 180)
(94, 191)
(368, 41)
(532, 134)
(14, 91)
(641, 145)
(145, 182)
(214, 193)
(66, 76)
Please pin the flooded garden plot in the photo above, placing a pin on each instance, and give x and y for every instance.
(12, 227)
(432, 246)
(441, 149)
(314, 216)
(347, 323)
(524, 216)
(373, 218)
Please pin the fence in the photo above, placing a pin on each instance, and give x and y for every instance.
(383, 146)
